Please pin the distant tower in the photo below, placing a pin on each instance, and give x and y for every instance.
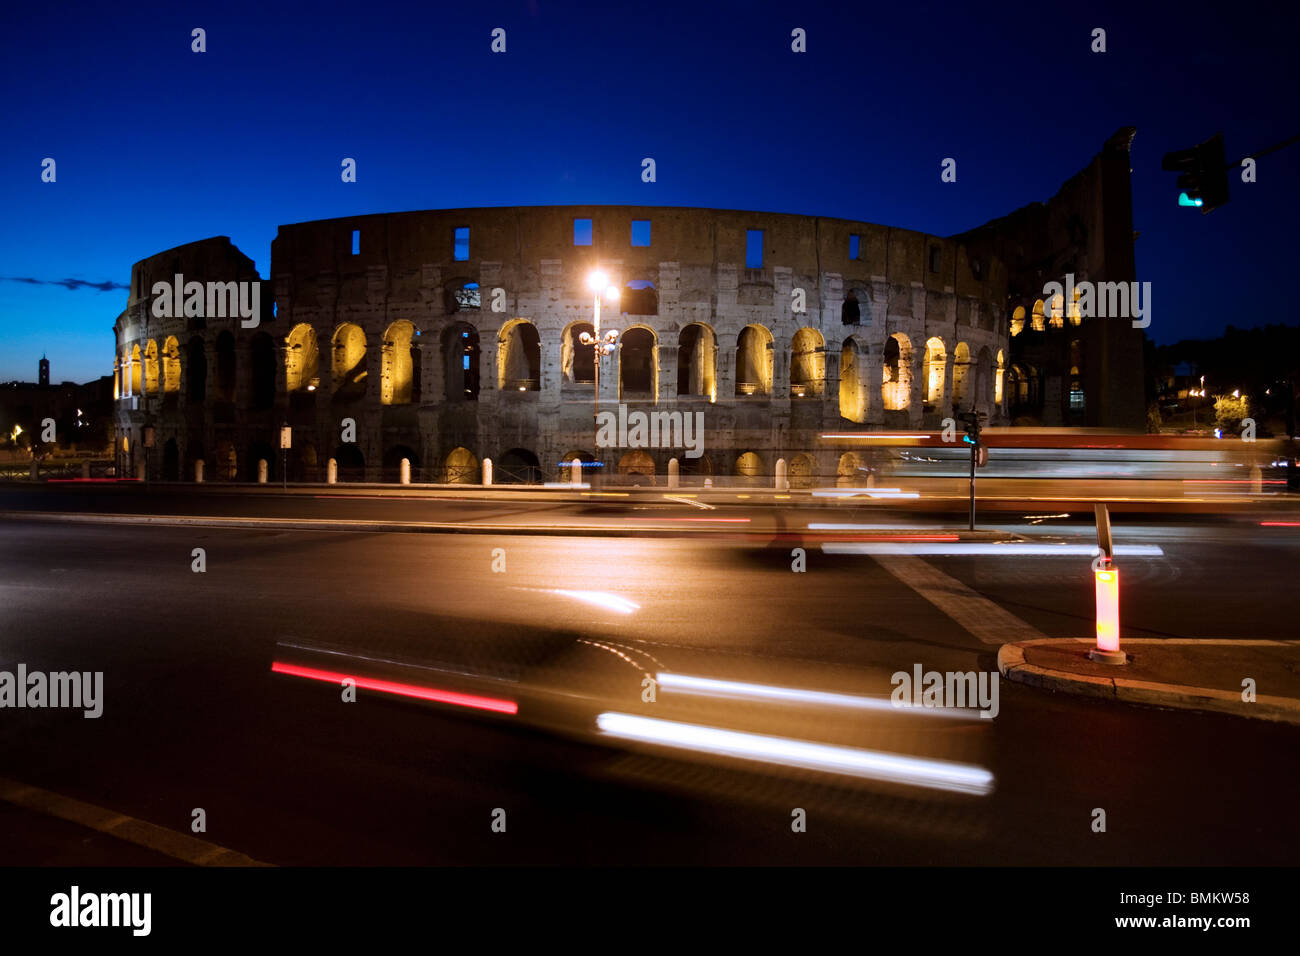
(45, 371)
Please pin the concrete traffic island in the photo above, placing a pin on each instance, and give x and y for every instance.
(1246, 678)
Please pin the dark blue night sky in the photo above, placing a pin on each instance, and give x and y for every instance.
(157, 146)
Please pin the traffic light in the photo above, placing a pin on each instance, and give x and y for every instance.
(971, 422)
(1203, 179)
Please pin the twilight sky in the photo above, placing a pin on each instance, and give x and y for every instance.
(157, 146)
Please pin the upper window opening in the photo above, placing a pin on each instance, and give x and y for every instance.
(356, 242)
(461, 244)
(640, 232)
(855, 246)
(582, 232)
(754, 249)
(934, 258)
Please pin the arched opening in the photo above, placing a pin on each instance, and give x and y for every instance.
(961, 397)
(802, 471)
(853, 380)
(196, 373)
(749, 468)
(695, 467)
(997, 380)
(171, 366)
(117, 378)
(564, 465)
(302, 360)
(461, 467)
(896, 373)
(936, 361)
(807, 364)
(519, 357)
(136, 364)
(262, 354)
(640, 298)
(348, 364)
(1036, 320)
(225, 367)
(851, 471)
(578, 361)
(983, 381)
(460, 355)
(851, 311)
(462, 295)
(171, 461)
(697, 362)
(518, 466)
(1018, 320)
(638, 365)
(151, 367)
(397, 370)
(754, 361)
(636, 462)
(1056, 311)
(393, 462)
(350, 461)
(306, 464)
(225, 463)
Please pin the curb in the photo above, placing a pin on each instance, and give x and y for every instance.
(1014, 667)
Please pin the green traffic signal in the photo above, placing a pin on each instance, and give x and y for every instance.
(1184, 201)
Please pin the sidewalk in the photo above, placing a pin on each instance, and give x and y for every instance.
(1191, 674)
(30, 838)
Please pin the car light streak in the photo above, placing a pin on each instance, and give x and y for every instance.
(869, 764)
(1008, 550)
(403, 690)
(710, 687)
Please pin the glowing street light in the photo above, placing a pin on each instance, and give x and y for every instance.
(600, 345)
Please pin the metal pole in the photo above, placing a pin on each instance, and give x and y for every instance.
(595, 357)
(974, 449)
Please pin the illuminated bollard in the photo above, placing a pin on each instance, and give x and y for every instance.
(674, 473)
(263, 471)
(406, 471)
(575, 471)
(487, 472)
(782, 482)
(1107, 650)
(85, 469)
(198, 471)
(139, 471)
(1256, 480)
(708, 482)
(332, 472)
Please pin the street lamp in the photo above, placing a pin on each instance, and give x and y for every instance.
(600, 345)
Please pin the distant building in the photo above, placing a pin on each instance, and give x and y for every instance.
(43, 376)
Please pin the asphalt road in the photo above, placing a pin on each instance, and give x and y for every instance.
(289, 773)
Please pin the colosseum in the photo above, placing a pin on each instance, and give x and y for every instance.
(446, 337)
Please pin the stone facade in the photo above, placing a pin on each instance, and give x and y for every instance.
(373, 320)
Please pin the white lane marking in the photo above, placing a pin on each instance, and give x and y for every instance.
(977, 614)
(1008, 550)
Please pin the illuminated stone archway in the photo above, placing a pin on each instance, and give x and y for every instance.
(936, 363)
(519, 357)
(302, 359)
(961, 369)
(151, 368)
(896, 373)
(807, 364)
(171, 366)
(461, 467)
(638, 364)
(397, 365)
(754, 361)
(348, 362)
(697, 361)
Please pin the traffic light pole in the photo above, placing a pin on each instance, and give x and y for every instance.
(974, 450)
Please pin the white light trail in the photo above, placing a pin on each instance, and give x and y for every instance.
(869, 764)
(1011, 549)
(710, 687)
